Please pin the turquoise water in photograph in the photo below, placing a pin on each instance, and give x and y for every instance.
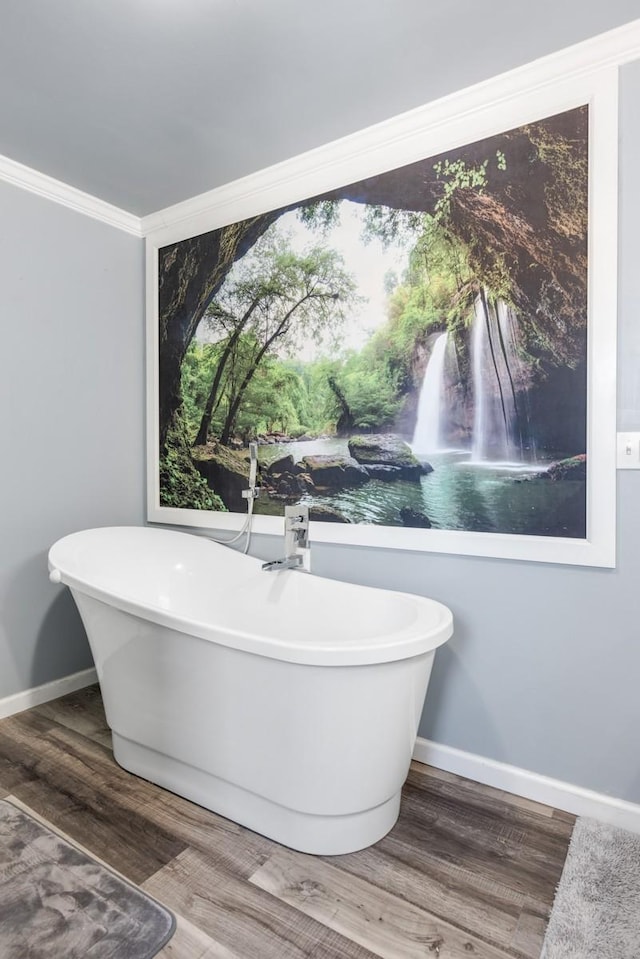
(458, 495)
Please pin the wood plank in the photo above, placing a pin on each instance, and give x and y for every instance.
(464, 848)
(422, 769)
(31, 742)
(520, 812)
(189, 942)
(471, 898)
(81, 711)
(19, 755)
(509, 852)
(529, 933)
(234, 848)
(467, 900)
(387, 926)
(567, 817)
(242, 917)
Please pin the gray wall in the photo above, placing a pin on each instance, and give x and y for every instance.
(71, 415)
(543, 671)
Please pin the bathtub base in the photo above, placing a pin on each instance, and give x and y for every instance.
(305, 832)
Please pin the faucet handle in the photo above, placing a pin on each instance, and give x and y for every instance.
(296, 527)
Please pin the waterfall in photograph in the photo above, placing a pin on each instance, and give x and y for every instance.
(499, 423)
(427, 437)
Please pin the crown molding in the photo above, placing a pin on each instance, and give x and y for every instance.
(193, 216)
(51, 189)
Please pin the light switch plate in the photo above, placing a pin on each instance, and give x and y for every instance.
(628, 446)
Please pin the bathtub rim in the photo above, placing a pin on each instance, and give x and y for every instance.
(404, 644)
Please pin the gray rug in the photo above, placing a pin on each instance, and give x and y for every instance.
(596, 912)
(57, 903)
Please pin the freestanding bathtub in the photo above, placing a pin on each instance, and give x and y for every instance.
(286, 702)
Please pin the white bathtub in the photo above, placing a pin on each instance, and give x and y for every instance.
(286, 702)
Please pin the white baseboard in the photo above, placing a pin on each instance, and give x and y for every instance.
(42, 694)
(530, 785)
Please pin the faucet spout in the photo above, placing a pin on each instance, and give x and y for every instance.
(287, 562)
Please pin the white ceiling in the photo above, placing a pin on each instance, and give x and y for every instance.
(144, 103)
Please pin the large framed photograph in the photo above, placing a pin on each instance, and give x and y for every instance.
(416, 325)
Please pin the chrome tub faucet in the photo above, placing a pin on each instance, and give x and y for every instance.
(296, 540)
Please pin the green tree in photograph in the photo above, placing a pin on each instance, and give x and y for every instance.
(198, 370)
(273, 400)
(275, 300)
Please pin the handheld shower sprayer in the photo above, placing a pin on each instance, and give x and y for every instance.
(253, 464)
(251, 493)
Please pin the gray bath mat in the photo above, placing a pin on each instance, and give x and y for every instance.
(596, 912)
(57, 903)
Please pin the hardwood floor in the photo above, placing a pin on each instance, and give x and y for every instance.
(468, 871)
